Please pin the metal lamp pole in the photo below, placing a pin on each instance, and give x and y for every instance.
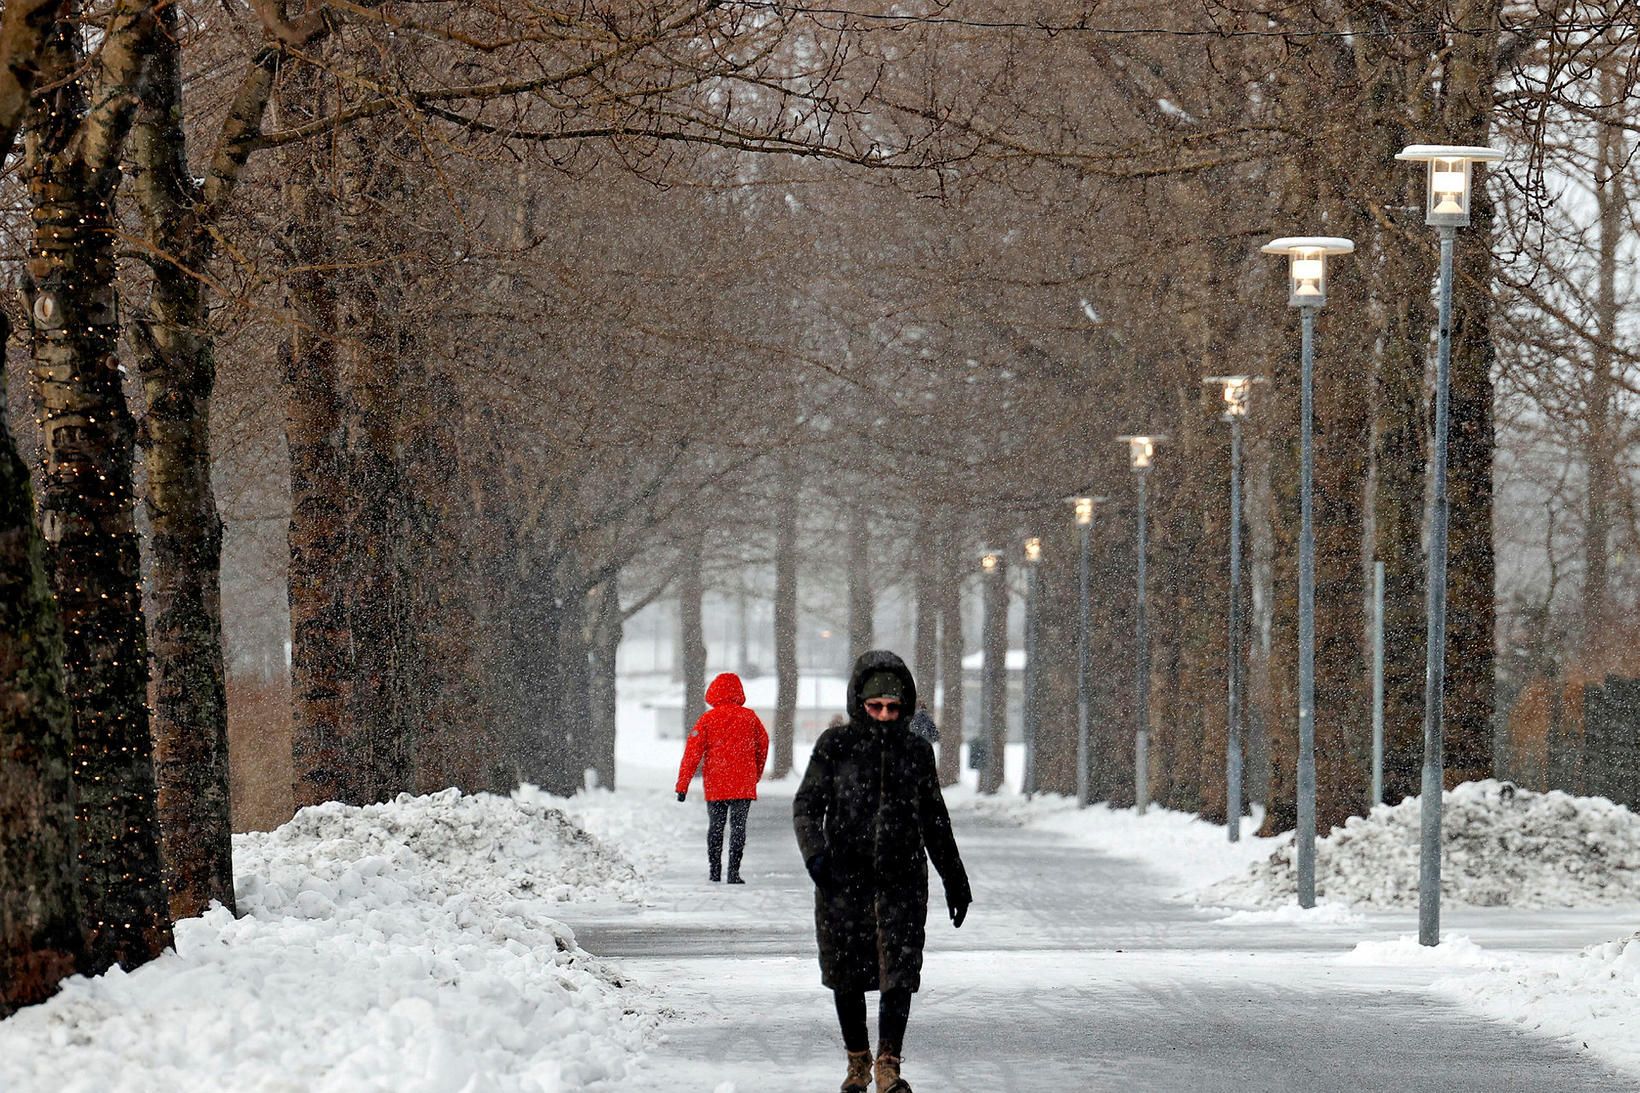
(1307, 291)
(1033, 560)
(1446, 207)
(1141, 453)
(1236, 391)
(1084, 671)
(1377, 683)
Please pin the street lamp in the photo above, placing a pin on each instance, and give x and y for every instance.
(1141, 453)
(1307, 291)
(1033, 560)
(1084, 509)
(1236, 390)
(1446, 206)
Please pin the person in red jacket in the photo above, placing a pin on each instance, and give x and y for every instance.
(735, 746)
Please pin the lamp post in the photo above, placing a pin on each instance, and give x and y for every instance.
(993, 674)
(1084, 507)
(1141, 453)
(1236, 390)
(1030, 709)
(1307, 291)
(1446, 206)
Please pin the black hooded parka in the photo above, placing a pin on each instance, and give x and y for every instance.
(870, 807)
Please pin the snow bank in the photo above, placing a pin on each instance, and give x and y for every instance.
(404, 946)
(1454, 951)
(1503, 846)
(1187, 850)
(1323, 913)
(1590, 999)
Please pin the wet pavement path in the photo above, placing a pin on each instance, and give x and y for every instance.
(1075, 971)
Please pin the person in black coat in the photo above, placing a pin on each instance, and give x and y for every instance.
(869, 816)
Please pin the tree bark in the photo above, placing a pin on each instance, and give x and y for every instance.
(995, 643)
(1472, 604)
(691, 635)
(176, 360)
(860, 605)
(787, 510)
(605, 644)
(40, 942)
(330, 754)
(87, 497)
(951, 709)
(925, 642)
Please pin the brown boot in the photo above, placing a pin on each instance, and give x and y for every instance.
(859, 1073)
(888, 1075)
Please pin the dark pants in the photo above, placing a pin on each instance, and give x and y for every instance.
(893, 1011)
(734, 814)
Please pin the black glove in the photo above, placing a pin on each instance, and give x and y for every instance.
(681, 796)
(959, 911)
(817, 869)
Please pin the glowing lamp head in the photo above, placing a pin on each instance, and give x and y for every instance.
(1084, 510)
(1450, 181)
(1033, 550)
(1141, 451)
(989, 561)
(1237, 391)
(1307, 265)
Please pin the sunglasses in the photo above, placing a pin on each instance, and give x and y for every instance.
(883, 705)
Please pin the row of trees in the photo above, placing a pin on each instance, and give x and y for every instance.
(515, 320)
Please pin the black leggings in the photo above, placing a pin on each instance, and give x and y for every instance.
(734, 814)
(893, 1011)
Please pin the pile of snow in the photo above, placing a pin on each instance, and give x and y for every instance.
(1503, 846)
(1454, 951)
(1324, 913)
(1186, 850)
(1590, 998)
(405, 946)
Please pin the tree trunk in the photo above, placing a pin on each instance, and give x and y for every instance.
(1343, 439)
(860, 605)
(1398, 505)
(330, 754)
(691, 635)
(176, 360)
(951, 711)
(86, 507)
(925, 643)
(605, 645)
(785, 618)
(369, 572)
(995, 643)
(40, 942)
(1472, 605)
(1599, 429)
(1059, 596)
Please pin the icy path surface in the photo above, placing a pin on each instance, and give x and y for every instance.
(1075, 971)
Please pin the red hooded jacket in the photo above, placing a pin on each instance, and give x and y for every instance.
(731, 739)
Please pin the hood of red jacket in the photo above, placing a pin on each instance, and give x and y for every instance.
(726, 691)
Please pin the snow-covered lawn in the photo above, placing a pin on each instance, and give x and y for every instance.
(411, 946)
(1188, 851)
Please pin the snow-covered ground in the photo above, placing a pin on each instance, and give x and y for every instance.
(1187, 850)
(1591, 998)
(412, 947)
(421, 945)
